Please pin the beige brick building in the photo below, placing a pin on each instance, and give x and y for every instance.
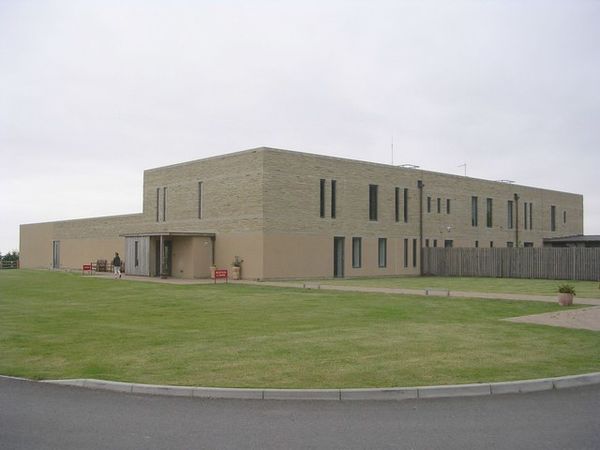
(296, 215)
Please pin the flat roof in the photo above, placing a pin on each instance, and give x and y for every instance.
(575, 238)
(168, 233)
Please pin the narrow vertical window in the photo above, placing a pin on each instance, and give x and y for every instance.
(333, 195)
(382, 253)
(428, 204)
(405, 252)
(157, 202)
(491, 244)
(525, 215)
(476, 244)
(552, 218)
(447, 206)
(397, 204)
(489, 212)
(199, 199)
(474, 213)
(531, 216)
(372, 202)
(136, 253)
(564, 217)
(414, 253)
(322, 197)
(164, 205)
(435, 243)
(439, 205)
(405, 205)
(356, 252)
(509, 214)
(426, 242)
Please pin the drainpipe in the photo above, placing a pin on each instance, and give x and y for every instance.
(516, 220)
(420, 186)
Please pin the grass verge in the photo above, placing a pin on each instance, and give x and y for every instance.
(57, 325)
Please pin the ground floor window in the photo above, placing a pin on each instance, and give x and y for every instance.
(382, 252)
(356, 252)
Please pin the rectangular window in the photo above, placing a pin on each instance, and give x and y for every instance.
(157, 202)
(372, 202)
(397, 204)
(564, 217)
(476, 244)
(474, 213)
(435, 242)
(510, 244)
(426, 242)
(356, 252)
(447, 206)
(333, 194)
(322, 197)
(405, 252)
(164, 204)
(439, 205)
(414, 253)
(382, 253)
(428, 204)
(528, 244)
(405, 205)
(491, 244)
(448, 243)
(509, 215)
(525, 215)
(552, 218)
(199, 199)
(489, 212)
(136, 253)
(531, 216)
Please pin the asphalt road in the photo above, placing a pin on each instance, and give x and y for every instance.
(41, 416)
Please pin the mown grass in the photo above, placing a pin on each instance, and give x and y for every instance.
(588, 289)
(57, 325)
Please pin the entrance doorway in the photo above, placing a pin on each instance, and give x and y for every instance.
(167, 258)
(338, 257)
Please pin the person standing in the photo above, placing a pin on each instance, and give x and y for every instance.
(117, 265)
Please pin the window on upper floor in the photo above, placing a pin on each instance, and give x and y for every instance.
(405, 205)
(447, 206)
(474, 212)
(200, 199)
(552, 218)
(373, 202)
(322, 197)
(489, 212)
(333, 198)
(439, 205)
(397, 204)
(428, 204)
(509, 214)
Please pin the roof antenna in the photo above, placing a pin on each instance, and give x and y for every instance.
(392, 149)
(465, 166)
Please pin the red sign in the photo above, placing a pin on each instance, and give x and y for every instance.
(87, 268)
(221, 273)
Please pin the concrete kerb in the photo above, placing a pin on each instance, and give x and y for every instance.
(401, 393)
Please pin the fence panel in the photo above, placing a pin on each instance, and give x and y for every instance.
(574, 263)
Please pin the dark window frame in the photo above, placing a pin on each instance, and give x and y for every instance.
(322, 197)
(373, 194)
(356, 253)
(333, 198)
(382, 253)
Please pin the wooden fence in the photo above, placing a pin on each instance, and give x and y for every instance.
(574, 263)
(9, 264)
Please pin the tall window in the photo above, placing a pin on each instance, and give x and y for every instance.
(414, 249)
(489, 212)
(157, 203)
(552, 218)
(372, 202)
(509, 215)
(525, 215)
(333, 195)
(405, 252)
(405, 205)
(474, 213)
(531, 216)
(476, 244)
(199, 199)
(428, 204)
(164, 205)
(564, 217)
(382, 253)
(447, 206)
(435, 242)
(136, 253)
(322, 198)
(356, 252)
(397, 204)
(426, 242)
(439, 205)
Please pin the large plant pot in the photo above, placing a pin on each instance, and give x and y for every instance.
(565, 299)
(236, 273)
(212, 272)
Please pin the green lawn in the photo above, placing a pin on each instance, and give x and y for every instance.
(588, 289)
(57, 325)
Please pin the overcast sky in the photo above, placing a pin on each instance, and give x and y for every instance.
(93, 93)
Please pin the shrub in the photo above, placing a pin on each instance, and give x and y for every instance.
(566, 289)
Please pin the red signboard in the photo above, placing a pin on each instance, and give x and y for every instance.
(221, 273)
(87, 268)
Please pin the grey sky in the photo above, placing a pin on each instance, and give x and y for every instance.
(93, 93)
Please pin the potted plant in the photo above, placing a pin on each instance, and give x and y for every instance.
(566, 292)
(236, 268)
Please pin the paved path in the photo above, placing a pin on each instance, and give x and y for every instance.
(584, 318)
(42, 416)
